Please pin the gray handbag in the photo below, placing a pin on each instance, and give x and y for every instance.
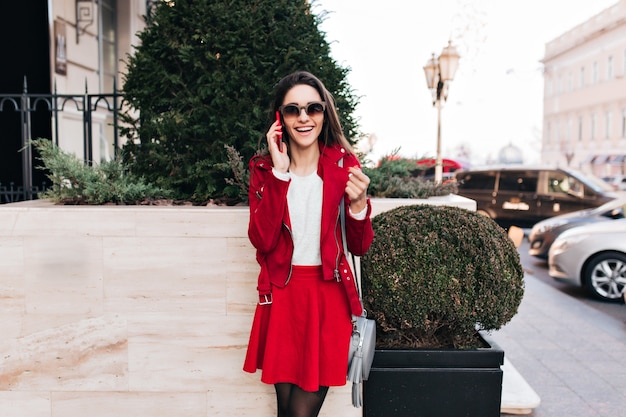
(363, 340)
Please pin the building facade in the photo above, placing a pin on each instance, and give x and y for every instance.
(66, 60)
(584, 106)
(90, 40)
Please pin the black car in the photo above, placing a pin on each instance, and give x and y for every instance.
(520, 196)
(543, 233)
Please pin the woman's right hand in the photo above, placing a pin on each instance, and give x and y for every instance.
(277, 148)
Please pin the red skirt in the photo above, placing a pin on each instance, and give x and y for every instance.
(303, 336)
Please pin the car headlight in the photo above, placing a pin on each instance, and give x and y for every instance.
(564, 242)
(546, 227)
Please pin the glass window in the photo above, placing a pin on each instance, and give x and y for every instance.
(108, 45)
(593, 126)
(594, 75)
(580, 128)
(582, 77)
(608, 122)
(570, 82)
(559, 183)
(568, 134)
(549, 88)
(609, 68)
(518, 181)
(478, 181)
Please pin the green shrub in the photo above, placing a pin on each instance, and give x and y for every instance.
(436, 274)
(74, 182)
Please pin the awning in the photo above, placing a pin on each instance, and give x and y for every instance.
(605, 159)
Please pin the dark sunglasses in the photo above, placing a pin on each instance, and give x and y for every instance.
(312, 109)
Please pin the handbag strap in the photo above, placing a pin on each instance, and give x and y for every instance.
(342, 217)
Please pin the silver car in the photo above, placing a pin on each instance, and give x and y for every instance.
(593, 256)
(543, 233)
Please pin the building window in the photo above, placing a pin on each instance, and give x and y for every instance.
(580, 128)
(624, 123)
(593, 126)
(570, 126)
(582, 77)
(108, 44)
(549, 88)
(570, 82)
(608, 122)
(549, 131)
(594, 75)
(609, 68)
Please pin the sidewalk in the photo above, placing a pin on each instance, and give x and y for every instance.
(571, 355)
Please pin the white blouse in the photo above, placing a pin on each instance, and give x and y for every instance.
(304, 199)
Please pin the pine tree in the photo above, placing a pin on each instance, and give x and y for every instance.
(202, 79)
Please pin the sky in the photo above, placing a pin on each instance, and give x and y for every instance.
(496, 97)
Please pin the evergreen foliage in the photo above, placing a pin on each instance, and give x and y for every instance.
(73, 182)
(436, 274)
(202, 80)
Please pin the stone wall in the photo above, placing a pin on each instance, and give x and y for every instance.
(116, 311)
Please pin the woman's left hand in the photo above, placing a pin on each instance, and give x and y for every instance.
(356, 188)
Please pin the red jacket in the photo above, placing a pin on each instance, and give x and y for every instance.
(269, 229)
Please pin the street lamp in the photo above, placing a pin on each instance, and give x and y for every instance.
(439, 72)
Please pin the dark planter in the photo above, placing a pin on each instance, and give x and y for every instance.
(435, 382)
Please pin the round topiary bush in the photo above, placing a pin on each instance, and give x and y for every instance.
(434, 275)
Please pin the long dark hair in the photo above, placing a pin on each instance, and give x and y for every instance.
(331, 129)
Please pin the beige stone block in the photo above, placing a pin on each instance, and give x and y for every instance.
(86, 355)
(129, 404)
(63, 276)
(243, 270)
(73, 221)
(8, 219)
(191, 328)
(12, 292)
(193, 221)
(24, 404)
(252, 398)
(175, 352)
(164, 274)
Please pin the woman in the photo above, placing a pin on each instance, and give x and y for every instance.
(302, 324)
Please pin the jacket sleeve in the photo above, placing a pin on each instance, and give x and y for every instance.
(359, 233)
(267, 197)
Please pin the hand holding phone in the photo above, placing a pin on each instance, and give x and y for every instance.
(279, 133)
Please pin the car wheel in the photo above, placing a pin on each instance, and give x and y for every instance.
(605, 276)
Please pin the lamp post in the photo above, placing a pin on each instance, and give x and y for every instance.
(439, 73)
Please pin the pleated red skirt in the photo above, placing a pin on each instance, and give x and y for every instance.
(303, 336)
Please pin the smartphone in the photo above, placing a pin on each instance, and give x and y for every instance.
(280, 135)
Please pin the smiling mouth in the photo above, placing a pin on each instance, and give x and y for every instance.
(304, 129)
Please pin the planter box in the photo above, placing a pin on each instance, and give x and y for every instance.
(435, 382)
(136, 311)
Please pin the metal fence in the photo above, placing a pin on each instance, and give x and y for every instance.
(53, 104)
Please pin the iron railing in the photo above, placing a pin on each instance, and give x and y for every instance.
(53, 104)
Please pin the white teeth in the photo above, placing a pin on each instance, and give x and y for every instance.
(304, 129)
